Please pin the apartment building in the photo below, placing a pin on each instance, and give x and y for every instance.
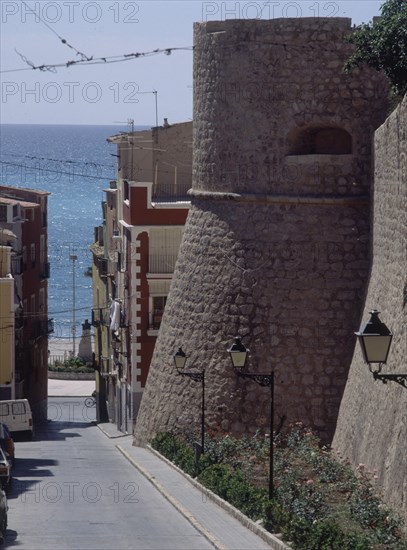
(134, 253)
(7, 345)
(23, 222)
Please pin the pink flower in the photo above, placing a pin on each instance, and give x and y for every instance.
(310, 481)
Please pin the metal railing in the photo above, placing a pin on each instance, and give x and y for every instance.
(171, 192)
(161, 263)
(41, 327)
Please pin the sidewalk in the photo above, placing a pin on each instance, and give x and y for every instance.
(224, 526)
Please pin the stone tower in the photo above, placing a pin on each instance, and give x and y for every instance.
(276, 244)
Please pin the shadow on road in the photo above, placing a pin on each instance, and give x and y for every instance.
(58, 430)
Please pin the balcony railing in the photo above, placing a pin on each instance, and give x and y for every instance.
(171, 192)
(162, 263)
(102, 265)
(41, 327)
(98, 316)
(17, 265)
(46, 270)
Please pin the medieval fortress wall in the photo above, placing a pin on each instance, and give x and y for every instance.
(372, 424)
(276, 245)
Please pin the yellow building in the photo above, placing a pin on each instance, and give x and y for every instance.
(7, 345)
(101, 288)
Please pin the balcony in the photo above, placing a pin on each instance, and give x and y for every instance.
(162, 263)
(102, 266)
(17, 266)
(171, 192)
(97, 317)
(46, 270)
(41, 328)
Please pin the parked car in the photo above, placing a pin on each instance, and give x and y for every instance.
(7, 443)
(5, 470)
(3, 515)
(17, 416)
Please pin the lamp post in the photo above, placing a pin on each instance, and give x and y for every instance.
(180, 360)
(73, 257)
(238, 354)
(375, 340)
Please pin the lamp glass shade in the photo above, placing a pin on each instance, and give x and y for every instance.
(180, 359)
(375, 347)
(375, 339)
(238, 354)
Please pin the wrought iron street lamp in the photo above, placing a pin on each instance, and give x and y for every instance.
(238, 354)
(375, 340)
(180, 360)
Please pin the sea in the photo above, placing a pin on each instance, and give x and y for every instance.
(74, 163)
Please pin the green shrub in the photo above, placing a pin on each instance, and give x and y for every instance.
(324, 535)
(319, 503)
(176, 450)
(216, 478)
(236, 489)
(73, 364)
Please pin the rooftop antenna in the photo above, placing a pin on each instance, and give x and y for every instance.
(130, 124)
(156, 114)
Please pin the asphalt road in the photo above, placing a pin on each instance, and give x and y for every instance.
(72, 489)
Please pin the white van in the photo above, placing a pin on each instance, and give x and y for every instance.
(17, 416)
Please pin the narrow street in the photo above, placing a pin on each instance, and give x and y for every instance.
(72, 489)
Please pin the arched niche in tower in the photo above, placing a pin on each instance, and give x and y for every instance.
(318, 140)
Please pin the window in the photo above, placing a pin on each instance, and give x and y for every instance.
(4, 408)
(29, 214)
(24, 257)
(164, 245)
(3, 212)
(18, 408)
(158, 311)
(42, 300)
(158, 290)
(32, 254)
(32, 303)
(319, 140)
(126, 193)
(43, 212)
(42, 249)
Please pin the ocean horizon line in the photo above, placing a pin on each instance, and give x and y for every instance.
(143, 126)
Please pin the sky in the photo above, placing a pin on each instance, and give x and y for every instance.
(36, 33)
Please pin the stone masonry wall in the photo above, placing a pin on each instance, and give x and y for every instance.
(276, 244)
(372, 424)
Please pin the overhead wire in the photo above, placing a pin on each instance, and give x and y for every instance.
(96, 61)
(84, 57)
(67, 161)
(167, 51)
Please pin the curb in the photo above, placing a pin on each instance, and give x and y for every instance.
(110, 436)
(177, 505)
